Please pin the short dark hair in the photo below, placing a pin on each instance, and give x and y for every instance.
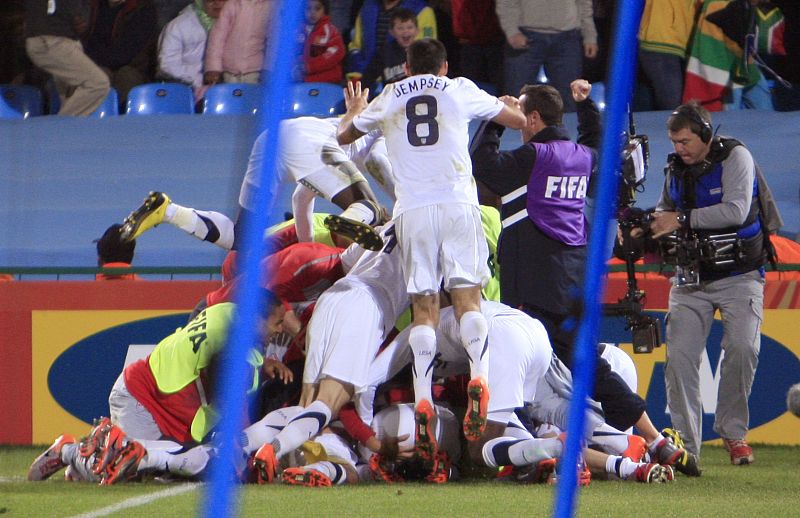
(402, 14)
(544, 99)
(693, 116)
(426, 56)
(112, 249)
(325, 5)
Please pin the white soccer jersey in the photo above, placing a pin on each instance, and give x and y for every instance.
(381, 272)
(425, 120)
(307, 144)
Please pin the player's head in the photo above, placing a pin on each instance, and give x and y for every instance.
(689, 129)
(426, 56)
(542, 106)
(403, 27)
(111, 248)
(213, 8)
(315, 10)
(272, 313)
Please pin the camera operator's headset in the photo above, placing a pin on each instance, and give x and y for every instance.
(706, 131)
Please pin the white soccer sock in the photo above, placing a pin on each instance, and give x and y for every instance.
(333, 471)
(652, 445)
(263, 431)
(158, 454)
(474, 332)
(304, 426)
(188, 463)
(609, 438)
(504, 451)
(206, 225)
(70, 452)
(422, 340)
(303, 210)
(361, 210)
(620, 466)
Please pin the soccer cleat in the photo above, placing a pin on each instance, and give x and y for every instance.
(653, 473)
(636, 449)
(149, 214)
(477, 407)
(359, 232)
(741, 452)
(265, 464)
(96, 437)
(305, 477)
(440, 473)
(112, 444)
(50, 461)
(380, 470)
(669, 454)
(125, 463)
(425, 438)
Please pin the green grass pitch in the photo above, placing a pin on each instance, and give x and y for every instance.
(768, 488)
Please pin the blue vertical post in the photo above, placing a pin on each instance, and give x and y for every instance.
(620, 80)
(220, 498)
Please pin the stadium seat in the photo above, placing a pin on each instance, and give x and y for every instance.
(598, 95)
(233, 99)
(160, 98)
(25, 100)
(109, 107)
(320, 99)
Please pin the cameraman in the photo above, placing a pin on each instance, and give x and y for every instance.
(542, 247)
(710, 189)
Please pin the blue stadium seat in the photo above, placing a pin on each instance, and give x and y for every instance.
(109, 107)
(160, 98)
(598, 95)
(25, 100)
(320, 99)
(233, 99)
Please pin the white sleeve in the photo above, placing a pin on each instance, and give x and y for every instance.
(350, 256)
(477, 103)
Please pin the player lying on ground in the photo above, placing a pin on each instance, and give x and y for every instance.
(526, 373)
(309, 156)
(164, 396)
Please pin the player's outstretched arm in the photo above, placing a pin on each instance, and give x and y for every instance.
(356, 100)
(511, 115)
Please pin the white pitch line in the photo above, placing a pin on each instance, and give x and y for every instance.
(140, 500)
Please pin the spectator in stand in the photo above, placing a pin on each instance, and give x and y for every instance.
(664, 35)
(121, 40)
(388, 65)
(342, 16)
(182, 44)
(236, 44)
(112, 252)
(477, 28)
(323, 47)
(555, 35)
(371, 30)
(52, 33)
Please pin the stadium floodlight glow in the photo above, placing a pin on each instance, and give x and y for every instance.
(220, 497)
(620, 78)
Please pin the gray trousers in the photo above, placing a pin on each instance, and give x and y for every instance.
(130, 415)
(83, 83)
(740, 301)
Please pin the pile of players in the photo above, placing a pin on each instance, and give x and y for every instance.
(367, 408)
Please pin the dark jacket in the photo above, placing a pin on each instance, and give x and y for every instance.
(68, 19)
(537, 270)
(125, 35)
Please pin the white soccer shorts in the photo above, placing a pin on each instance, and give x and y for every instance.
(442, 242)
(343, 336)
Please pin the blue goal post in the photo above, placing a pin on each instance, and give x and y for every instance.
(221, 494)
(620, 87)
